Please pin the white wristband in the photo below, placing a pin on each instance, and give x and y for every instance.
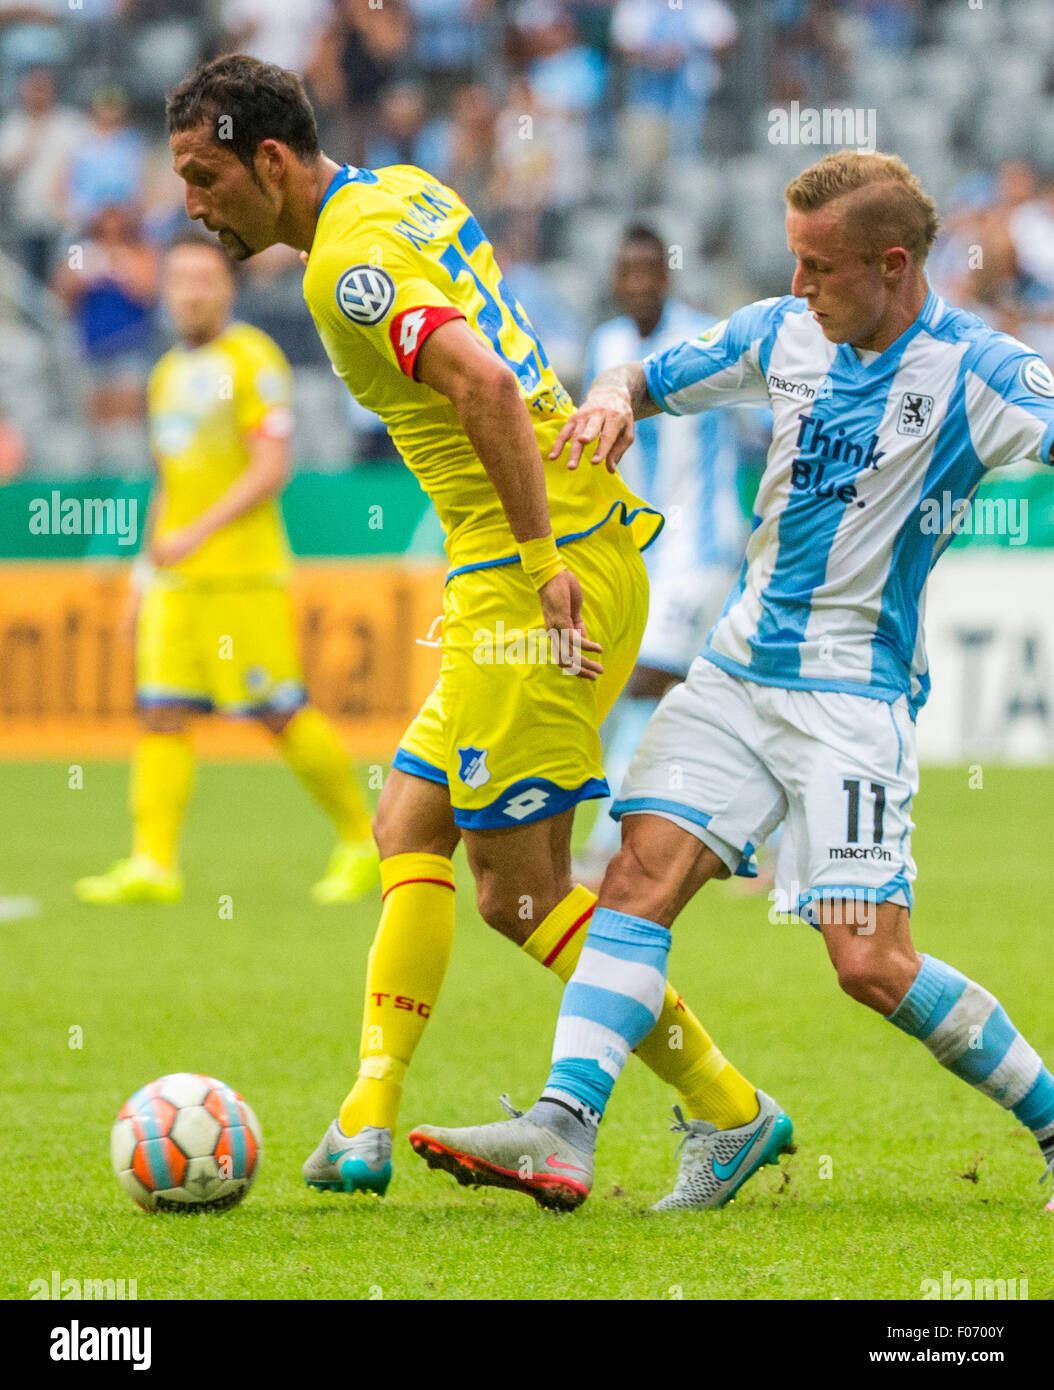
(143, 573)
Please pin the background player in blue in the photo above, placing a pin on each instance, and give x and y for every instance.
(688, 467)
(801, 707)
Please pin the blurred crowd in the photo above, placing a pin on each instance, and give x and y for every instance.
(996, 255)
(534, 110)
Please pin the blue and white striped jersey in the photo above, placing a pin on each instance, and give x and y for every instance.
(686, 467)
(830, 593)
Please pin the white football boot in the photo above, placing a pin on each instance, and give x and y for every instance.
(715, 1163)
(361, 1162)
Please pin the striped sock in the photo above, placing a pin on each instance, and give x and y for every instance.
(610, 1004)
(678, 1049)
(968, 1031)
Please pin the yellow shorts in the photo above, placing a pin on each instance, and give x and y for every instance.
(230, 648)
(512, 736)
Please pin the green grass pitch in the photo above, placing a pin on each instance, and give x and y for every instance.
(902, 1172)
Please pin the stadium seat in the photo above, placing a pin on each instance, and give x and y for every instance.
(1030, 24)
(579, 286)
(757, 232)
(878, 81)
(160, 54)
(1007, 128)
(593, 234)
(324, 437)
(964, 27)
(60, 449)
(915, 122)
(939, 75)
(716, 285)
(1017, 68)
(679, 227)
(698, 188)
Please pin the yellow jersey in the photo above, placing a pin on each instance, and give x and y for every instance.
(205, 406)
(395, 255)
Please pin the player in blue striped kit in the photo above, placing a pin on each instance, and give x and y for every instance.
(688, 467)
(801, 707)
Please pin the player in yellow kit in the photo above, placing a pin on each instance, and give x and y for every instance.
(546, 597)
(213, 620)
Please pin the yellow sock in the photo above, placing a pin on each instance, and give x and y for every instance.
(679, 1050)
(162, 773)
(404, 974)
(312, 749)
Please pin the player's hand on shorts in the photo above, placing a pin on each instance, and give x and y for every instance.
(562, 609)
(606, 416)
(176, 546)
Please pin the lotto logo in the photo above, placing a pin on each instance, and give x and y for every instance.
(365, 293)
(526, 803)
(410, 330)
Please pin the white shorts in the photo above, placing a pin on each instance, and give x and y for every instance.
(683, 606)
(728, 760)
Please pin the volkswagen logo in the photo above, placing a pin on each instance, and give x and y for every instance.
(365, 293)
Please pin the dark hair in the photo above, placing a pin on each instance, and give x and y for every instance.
(254, 101)
(640, 234)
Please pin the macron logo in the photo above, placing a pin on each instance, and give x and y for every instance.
(790, 388)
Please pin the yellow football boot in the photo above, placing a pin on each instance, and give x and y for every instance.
(353, 870)
(134, 880)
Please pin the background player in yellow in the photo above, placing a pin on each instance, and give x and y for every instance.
(213, 621)
(418, 322)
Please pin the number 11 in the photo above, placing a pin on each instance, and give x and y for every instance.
(851, 787)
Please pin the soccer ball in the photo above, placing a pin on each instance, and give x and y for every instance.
(186, 1143)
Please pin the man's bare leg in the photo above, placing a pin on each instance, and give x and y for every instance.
(612, 1004)
(958, 1021)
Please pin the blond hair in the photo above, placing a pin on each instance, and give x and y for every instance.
(885, 205)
